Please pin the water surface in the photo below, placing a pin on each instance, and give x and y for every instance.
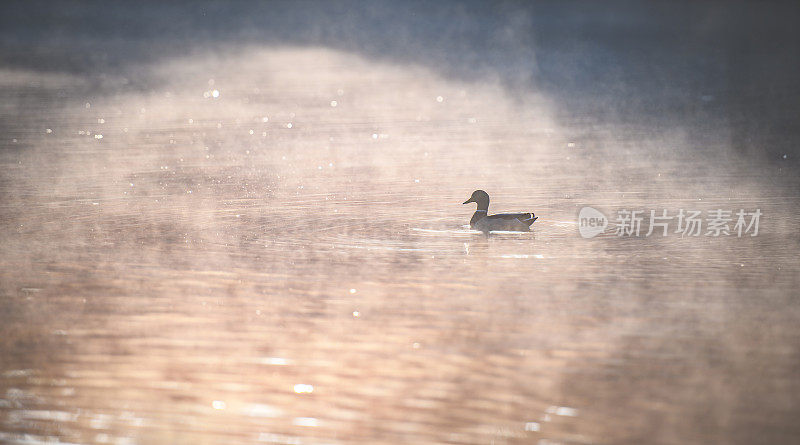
(267, 245)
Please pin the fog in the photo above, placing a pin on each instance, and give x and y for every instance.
(236, 222)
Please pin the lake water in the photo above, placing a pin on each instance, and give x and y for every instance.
(268, 245)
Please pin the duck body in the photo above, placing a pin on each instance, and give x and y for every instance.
(481, 220)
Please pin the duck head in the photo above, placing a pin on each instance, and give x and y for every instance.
(481, 198)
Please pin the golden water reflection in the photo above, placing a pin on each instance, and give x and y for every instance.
(269, 246)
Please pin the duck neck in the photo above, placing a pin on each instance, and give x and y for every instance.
(477, 216)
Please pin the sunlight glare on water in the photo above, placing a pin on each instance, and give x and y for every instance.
(174, 279)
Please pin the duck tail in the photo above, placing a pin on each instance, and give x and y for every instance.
(530, 219)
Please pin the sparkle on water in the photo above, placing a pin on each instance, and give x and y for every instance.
(180, 281)
(302, 388)
(218, 404)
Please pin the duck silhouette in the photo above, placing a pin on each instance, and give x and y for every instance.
(481, 220)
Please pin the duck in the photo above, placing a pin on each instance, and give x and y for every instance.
(481, 220)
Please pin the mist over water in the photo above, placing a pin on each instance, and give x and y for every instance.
(242, 223)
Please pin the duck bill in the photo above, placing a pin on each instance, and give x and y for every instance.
(468, 201)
